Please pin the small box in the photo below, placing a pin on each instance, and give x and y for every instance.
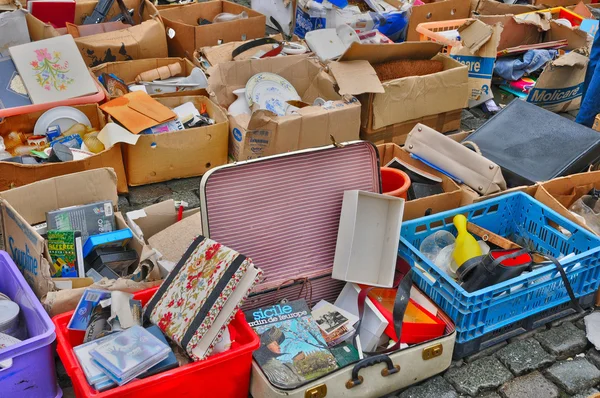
(90, 219)
(118, 238)
(368, 237)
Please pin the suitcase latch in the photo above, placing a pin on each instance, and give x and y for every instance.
(433, 351)
(319, 391)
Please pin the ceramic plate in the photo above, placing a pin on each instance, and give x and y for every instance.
(273, 78)
(273, 97)
(64, 116)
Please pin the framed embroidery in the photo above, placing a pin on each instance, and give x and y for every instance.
(53, 70)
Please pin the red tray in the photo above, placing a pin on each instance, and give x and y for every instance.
(222, 375)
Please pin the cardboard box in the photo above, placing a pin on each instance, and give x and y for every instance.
(493, 7)
(560, 85)
(399, 100)
(179, 154)
(450, 199)
(596, 125)
(263, 133)
(559, 194)
(369, 233)
(15, 175)
(157, 226)
(128, 70)
(26, 206)
(146, 39)
(434, 11)
(478, 53)
(185, 35)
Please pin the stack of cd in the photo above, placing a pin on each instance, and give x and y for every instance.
(9, 317)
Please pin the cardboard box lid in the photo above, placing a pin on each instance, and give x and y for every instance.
(358, 58)
(475, 34)
(34, 200)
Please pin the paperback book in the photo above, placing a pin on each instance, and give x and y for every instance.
(292, 349)
(65, 249)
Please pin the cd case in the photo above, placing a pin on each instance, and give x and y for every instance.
(83, 313)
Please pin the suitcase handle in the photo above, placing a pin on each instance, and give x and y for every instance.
(357, 379)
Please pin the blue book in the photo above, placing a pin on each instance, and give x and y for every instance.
(118, 238)
(12, 90)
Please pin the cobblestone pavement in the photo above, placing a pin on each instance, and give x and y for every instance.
(554, 362)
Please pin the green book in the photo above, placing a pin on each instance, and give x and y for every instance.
(344, 354)
(66, 251)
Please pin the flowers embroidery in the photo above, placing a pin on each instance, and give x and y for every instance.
(49, 71)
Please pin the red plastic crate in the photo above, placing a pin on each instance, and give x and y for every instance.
(222, 375)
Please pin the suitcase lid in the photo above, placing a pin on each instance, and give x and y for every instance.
(283, 211)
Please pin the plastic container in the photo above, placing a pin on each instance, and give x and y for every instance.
(32, 373)
(394, 182)
(499, 306)
(222, 375)
(430, 31)
(86, 99)
(560, 13)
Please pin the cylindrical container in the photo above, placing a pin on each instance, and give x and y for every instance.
(9, 317)
(394, 182)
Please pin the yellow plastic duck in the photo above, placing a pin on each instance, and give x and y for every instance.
(466, 246)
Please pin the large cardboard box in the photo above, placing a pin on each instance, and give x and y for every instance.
(15, 175)
(146, 39)
(128, 70)
(560, 85)
(400, 100)
(263, 133)
(559, 194)
(179, 154)
(26, 206)
(450, 199)
(186, 36)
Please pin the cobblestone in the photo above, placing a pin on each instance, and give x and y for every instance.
(563, 341)
(149, 194)
(485, 352)
(483, 374)
(436, 387)
(574, 376)
(593, 356)
(524, 356)
(586, 393)
(531, 385)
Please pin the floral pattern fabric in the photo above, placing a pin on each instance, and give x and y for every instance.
(49, 71)
(189, 290)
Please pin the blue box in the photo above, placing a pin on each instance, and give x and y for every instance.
(513, 215)
(118, 238)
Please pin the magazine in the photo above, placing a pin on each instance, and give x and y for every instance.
(292, 349)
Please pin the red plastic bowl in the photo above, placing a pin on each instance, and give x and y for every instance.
(394, 182)
(222, 375)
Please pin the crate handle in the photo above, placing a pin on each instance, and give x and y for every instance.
(2, 369)
(357, 380)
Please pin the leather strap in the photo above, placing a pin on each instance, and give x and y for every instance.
(252, 44)
(563, 275)
(400, 304)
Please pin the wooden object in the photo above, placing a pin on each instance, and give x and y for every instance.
(161, 73)
(489, 236)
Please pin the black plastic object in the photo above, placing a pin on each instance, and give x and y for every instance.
(60, 153)
(495, 267)
(24, 159)
(390, 369)
(532, 144)
(422, 183)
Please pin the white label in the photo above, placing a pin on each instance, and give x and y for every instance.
(108, 210)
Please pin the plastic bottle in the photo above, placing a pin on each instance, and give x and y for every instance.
(466, 245)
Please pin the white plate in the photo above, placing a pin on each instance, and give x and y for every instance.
(78, 154)
(64, 116)
(273, 97)
(269, 77)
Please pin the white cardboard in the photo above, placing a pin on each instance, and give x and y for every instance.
(373, 323)
(368, 237)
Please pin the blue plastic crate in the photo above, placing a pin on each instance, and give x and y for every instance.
(513, 215)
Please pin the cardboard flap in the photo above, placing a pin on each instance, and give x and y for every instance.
(475, 34)
(356, 77)
(151, 110)
(378, 53)
(137, 111)
(572, 59)
(577, 38)
(34, 200)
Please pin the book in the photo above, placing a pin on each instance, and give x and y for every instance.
(65, 250)
(329, 318)
(55, 12)
(129, 353)
(91, 219)
(83, 312)
(12, 89)
(292, 349)
(53, 70)
(345, 354)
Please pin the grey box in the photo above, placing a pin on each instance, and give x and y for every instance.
(91, 219)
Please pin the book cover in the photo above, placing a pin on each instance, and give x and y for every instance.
(65, 248)
(53, 69)
(91, 219)
(292, 350)
(56, 13)
(129, 354)
(83, 312)
(12, 89)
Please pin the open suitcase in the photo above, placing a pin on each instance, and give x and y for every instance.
(283, 212)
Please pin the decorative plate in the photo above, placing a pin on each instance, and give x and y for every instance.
(273, 97)
(269, 77)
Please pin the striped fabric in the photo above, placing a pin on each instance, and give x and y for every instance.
(283, 212)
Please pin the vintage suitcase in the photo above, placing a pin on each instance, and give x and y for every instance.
(283, 211)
